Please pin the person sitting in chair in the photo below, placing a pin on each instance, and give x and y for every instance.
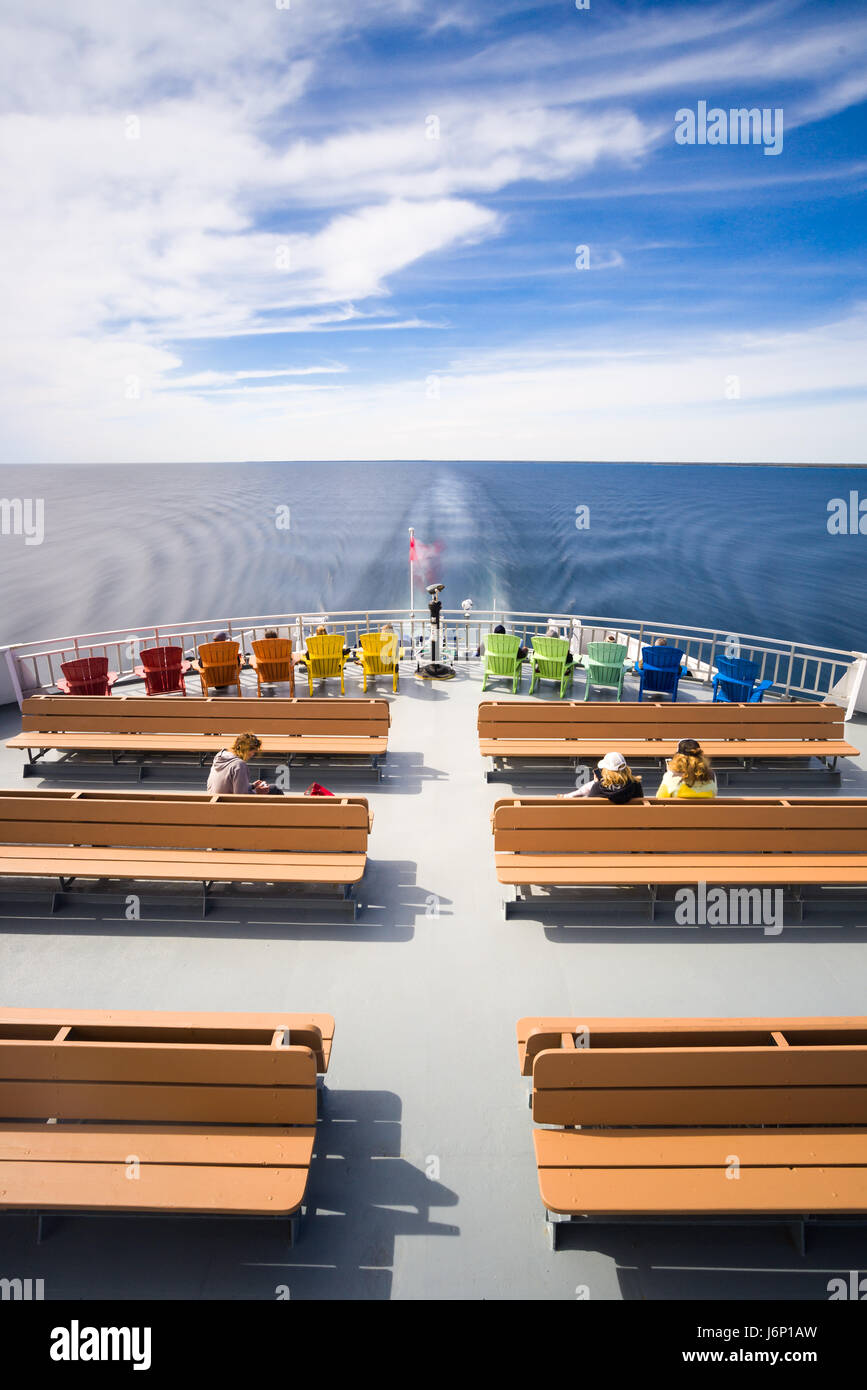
(553, 630)
(217, 637)
(523, 652)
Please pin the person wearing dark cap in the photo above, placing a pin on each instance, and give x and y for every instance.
(612, 778)
(523, 652)
(217, 637)
(689, 773)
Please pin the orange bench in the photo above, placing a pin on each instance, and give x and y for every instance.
(183, 837)
(735, 1120)
(735, 737)
(818, 844)
(159, 1113)
(141, 734)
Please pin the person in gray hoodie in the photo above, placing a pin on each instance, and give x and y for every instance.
(229, 769)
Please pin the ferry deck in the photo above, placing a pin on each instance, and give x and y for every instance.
(423, 1185)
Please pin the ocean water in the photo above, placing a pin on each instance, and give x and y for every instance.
(744, 549)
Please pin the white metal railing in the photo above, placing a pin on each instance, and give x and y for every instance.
(797, 670)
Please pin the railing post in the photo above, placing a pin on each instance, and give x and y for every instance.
(12, 663)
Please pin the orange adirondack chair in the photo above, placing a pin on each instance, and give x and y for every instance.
(274, 662)
(162, 670)
(219, 664)
(89, 675)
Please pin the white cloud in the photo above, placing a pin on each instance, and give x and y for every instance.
(242, 207)
(656, 400)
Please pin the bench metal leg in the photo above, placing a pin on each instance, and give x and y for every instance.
(349, 897)
(653, 892)
(510, 904)
(30, 768)
(206, 886)
(65, 884)
(798, 1233)
(552, 1231)
(293, 1230)
(46, 1221)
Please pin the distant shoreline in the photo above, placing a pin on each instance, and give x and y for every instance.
(415, 462)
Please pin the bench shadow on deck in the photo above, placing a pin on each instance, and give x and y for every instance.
(360, 1196)
(733, 1263)
(391, 900)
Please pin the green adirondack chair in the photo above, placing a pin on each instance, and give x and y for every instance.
(501, 659)
(603, 663)
(549, 663)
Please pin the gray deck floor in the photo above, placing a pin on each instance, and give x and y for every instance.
(424, 1183)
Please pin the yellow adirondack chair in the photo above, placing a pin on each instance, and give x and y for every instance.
(380, 656)
(325, 658)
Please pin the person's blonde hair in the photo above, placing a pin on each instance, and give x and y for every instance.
(246, 743)
(691, 767)
(321, 631)
(615, 777)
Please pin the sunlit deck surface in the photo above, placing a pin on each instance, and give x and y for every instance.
(424, 1182)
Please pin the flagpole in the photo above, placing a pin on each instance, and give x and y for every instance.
(411, 573)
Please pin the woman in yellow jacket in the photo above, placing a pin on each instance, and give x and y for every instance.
(689, 773)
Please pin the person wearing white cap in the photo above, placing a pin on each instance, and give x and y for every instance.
(612, 778)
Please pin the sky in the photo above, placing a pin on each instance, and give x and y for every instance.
(313, 229)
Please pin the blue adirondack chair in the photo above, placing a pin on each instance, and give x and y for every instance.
(737, 682)
(660, 671)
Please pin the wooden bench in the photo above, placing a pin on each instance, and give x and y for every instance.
(735, 737)
(754, 843)
(159, 1113)
(717, 1120)
(142, 734)
(181, 837)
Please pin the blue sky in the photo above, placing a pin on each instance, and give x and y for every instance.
(228, 234)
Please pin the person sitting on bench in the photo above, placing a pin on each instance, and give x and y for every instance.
(689, 773)
(613, 779)
(229, 770)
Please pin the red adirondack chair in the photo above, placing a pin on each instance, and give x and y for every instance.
(87, 676)
(162, 670)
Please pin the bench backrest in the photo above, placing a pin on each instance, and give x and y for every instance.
(525, 719)
(315, 1031)
(136, 714)
(803, 1076)
(193, 820)
(155, 1075)
(817, 825)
